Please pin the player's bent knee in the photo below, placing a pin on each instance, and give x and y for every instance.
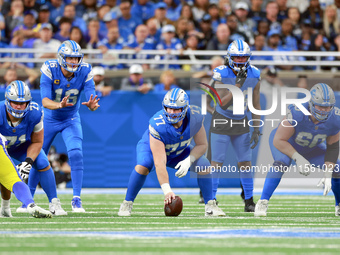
(44, 169)
(280, 166)
(244, 165)
(142, 170)
(76, 159)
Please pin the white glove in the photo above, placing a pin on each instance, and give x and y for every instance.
(183, 166)
(326, 181)
(24, 168)
(302, 164)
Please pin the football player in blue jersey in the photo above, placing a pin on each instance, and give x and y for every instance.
(312, 141)
(167, 144)
(19, 131)
(62, 80)
(21, 122)
(235, 130)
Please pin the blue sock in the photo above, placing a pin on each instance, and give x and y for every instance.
(77, 181)
(33, 180)
(336, 189)
(77, 169)
(273, 179)
(215, 182)
(247, 181)
(135, 184)
(206, 186)
(22, 193)
(47, 182)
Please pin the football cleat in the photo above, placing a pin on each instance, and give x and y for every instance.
(77, 205)
(5, 212)
(125, 208)
(337, 210)
(212, 210)
(38, 212)
(249, 205)
(55, 207)
(22, 209)
(261, 208)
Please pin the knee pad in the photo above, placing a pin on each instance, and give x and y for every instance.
(280, 166)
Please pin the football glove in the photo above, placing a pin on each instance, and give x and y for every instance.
(326, 181)
(183, 166)
(241, 76)
(255, 137)
(302, 164)
(24, 168)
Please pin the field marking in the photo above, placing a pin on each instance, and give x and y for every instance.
(191, 191)
(214, 233)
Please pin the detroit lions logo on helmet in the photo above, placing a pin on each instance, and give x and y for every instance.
(175, 99)
(238, 48)
(322, 95)
(70, 49)
(18, 91)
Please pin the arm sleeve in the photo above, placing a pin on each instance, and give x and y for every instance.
(89, 87)
(332, 152)
(46, 82)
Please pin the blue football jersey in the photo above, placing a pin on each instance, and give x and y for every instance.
(225, 75)
(55, 86)
(175, 140)
(20, 134)
(307, 134)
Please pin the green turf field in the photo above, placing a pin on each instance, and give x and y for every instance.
(294, 225)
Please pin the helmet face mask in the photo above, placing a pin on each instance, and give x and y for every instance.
(238, 48)
(70, 49)
(17, 91)
(322, 95)
(175, 99)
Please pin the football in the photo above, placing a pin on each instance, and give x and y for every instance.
(175, 208)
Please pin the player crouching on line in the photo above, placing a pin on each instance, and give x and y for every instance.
(305, 144)
(10, 180)
(167, 144)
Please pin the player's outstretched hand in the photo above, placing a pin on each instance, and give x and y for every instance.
(255, 137)
(183, 167)
(241, 76)
(326, 181)
(92, 104)
(327, 185)
(64, 102)
(302, 164)
(169, 197)
(24, 168)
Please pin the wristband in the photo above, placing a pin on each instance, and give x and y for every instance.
(166, 188)
(29, 161)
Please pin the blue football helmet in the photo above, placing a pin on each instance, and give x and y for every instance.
(17, 91)
(322, 95)
(238, 48)
(70, 48)
(175, 99)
